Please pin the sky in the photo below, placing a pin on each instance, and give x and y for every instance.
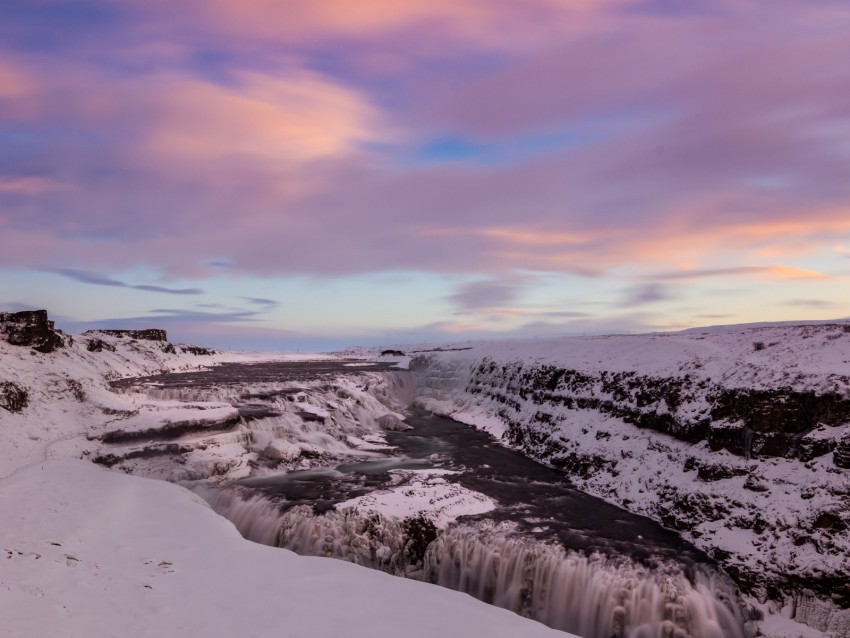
(292, 175)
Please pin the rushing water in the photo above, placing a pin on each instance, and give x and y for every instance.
(547, 551)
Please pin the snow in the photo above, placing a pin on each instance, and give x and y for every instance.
(424, 492)
(92, 552)
(162, 415)
(117, 534)
(809, 356)
(763, 515)
(88, 552)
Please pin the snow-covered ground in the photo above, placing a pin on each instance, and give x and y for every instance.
(424, 491)
(633, 419)
(93, 552)
(88, 553)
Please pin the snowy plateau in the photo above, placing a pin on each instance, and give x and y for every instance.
(738, 438)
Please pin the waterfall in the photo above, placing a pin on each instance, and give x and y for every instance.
(591, 596)
(256, 518)
(748, 442)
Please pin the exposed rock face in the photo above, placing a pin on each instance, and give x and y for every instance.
(745, 422)
(30, 328)
(151, 334)
(733, 452)
(99, 345)
(197, 350)
(841, 456)
(12, 397)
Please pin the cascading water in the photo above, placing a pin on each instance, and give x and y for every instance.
(592, 596)
(616, 592)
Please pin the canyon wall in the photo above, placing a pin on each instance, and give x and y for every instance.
(737, 438)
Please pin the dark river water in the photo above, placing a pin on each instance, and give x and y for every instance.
(538, 498)
(540, 503)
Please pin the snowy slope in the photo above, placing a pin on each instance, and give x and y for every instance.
(89, 553)
(68, 396)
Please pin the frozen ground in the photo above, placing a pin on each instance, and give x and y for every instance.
(92, 552)
(87, 552)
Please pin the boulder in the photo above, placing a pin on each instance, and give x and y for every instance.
(392, 422)
(12, 397)
(279, 450)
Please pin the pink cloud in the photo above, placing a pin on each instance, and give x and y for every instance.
(718, 149)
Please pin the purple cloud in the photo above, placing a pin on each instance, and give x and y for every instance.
(87, 277)
(646, 294)
(265, 304)
(477, 295)
(578, 146)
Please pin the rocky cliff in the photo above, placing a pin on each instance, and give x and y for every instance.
(739, 439)
(30, 328)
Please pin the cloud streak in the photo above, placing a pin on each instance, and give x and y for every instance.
(261, 140)
(86, 277)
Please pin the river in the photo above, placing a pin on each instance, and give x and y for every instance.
(546, 550)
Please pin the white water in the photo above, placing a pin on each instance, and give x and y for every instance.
(592, 596)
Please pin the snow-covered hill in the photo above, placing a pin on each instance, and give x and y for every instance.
(96, 553)
(736, 437)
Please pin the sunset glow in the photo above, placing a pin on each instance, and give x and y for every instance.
(323, 173)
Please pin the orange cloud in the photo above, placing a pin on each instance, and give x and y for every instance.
(280, 120)
(533, 238)
(471, 21)
(13, 82)
(30, 185)
(775, 272)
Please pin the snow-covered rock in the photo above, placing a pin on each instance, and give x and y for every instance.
(735, 437)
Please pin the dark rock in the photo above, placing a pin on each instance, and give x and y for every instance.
(392, 353)
(419, 532)
(169, 431)
(841, 454)
(814, 444)
(777, 418)
(150, 334)
(755, 485)
(99, 345)
(710, 472)
(30, 328)
(171, 449)
(196, 350)
(829, 521)
(12, 397)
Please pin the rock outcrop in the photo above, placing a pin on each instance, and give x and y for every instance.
(149, 334)
(13, 397)
(841, 455)
(30, 328)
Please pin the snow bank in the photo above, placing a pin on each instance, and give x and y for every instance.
(94, 553)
